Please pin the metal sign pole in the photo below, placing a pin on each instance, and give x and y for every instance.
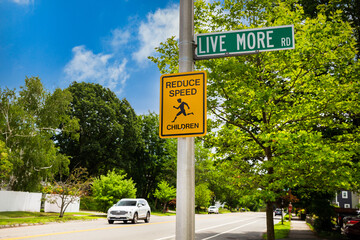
(185, 196)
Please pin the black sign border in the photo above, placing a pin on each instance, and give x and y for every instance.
(203, 132)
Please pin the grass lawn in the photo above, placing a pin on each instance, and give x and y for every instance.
(224, 210)
(163, 214)
(30, 218)
(281, 231)
(16, 218)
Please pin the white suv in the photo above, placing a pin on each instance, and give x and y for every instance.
(129, 209)
(213, 209)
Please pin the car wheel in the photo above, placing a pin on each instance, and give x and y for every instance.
(135, 219)
(111, 221)
(147, 219)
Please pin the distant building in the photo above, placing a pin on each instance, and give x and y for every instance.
(347, 199)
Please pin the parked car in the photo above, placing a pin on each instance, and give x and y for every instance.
(350, 220)
(213, 209)
(129, 209)
(278, 211)
(352, 230)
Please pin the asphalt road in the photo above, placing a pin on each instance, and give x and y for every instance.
(215, 226)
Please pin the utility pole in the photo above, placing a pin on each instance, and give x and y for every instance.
(185, 185)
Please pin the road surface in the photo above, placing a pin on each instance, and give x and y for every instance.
(215, 226)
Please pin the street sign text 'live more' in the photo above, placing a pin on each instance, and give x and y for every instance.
(224, 44)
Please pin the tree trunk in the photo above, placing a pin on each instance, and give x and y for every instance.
(61, 209)
(270, 221)
(164, 209)
(269, 204)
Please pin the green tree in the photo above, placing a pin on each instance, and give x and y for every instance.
(204, 165)
(109, 189)
(202, 196)
(319, 203)
(28, 121)
(350, 12)
(269, 106)
(225, 184)
(165, 193)
(169, 171)
(5, 165)
(109, 132)
(208, 172)
(150, 157)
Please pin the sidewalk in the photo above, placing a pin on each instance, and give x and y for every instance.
(300, 230)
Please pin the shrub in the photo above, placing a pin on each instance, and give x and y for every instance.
(109, 189)
(88, 203)
(165, 193)
(202, 196)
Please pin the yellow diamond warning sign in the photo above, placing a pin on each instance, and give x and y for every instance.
(183, 105)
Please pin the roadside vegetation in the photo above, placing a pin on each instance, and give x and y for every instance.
(10, 219)
(281, 230)
(14, 219)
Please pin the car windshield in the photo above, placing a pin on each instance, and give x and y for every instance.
(126, 203)
(212, 207)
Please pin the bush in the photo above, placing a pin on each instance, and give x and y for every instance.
(88, 203)
(202, 196)
(301, 211)
(165, 193)
(109, 189)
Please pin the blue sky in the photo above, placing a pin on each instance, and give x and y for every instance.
(105, 42)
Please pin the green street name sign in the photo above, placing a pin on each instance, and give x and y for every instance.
(226, 44)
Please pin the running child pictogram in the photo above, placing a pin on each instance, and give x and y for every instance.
(182, 109)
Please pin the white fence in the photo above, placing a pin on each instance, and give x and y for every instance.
(55, 204)
(11, 201)
(20, 201)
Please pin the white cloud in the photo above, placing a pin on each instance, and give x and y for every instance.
(119, 38)
(107, 69)
(98, 68)
(23, 2)
(162, 24)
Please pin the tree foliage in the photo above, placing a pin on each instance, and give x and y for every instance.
(271, 107)
(5, 165)
(109, 131)
(165, 193)
(150, 158)
(203, 196)
(350, 12)
(204, 165)
(109, 189)
(28, 120)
